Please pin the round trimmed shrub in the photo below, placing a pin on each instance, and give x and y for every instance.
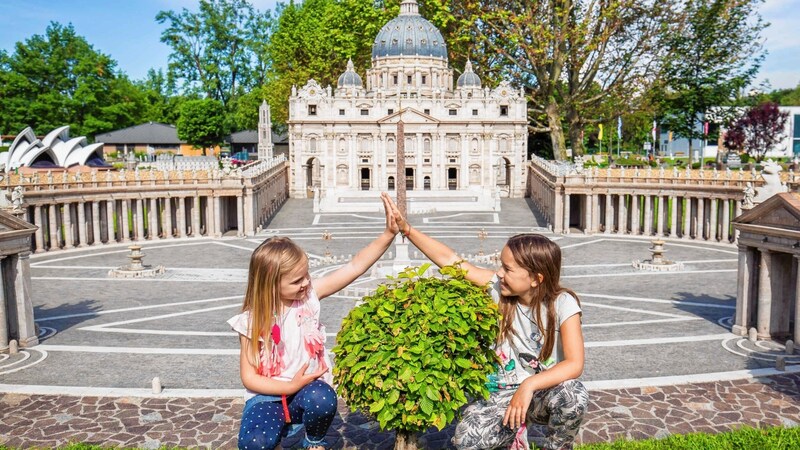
(417, 348)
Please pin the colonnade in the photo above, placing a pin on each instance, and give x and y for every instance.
(676, 205)
(70, 215)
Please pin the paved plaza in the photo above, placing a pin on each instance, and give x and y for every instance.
(660, 357)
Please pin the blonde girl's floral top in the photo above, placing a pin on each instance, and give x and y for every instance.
(302, 340)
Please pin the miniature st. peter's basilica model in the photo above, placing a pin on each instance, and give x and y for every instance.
(464, 148)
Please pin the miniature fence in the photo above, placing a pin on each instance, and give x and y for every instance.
(688, 204)
(92, 208)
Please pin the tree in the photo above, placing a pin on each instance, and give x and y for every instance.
(202, 123)
(758, 130)
(710, 59)
(59, 79)
(219, 49)
(574, 56)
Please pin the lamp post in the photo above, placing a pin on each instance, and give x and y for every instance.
(482, 235)
(327, 236)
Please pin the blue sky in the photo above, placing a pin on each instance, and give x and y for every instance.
(128, 32)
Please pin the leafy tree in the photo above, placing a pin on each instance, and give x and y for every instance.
(712, 57)
(202, 123)
(785, 97)
(574, 56)
(59, 79)
(416, 349)
(161, 97)
(218, 50)
(758, 130)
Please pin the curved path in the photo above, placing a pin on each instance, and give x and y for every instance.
(660, 355)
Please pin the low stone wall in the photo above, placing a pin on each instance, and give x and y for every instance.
(92, 208)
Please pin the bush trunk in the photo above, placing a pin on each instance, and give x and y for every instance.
(405, 440)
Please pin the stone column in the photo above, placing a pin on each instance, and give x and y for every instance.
(95, 223)
(153, 212)
(124, 222)
(796, 334)
(673, 216)
(726, 220)
(67, 217)
(39, 236)
(660, 216)
(239, 216)
(635, 211)
(4, 312)
(55, 238)
(737, 213)
(22, 291)
(196, 216)
(686, 233)
(648, 215)
(609, 214)
(622, 215)
(250, 210)
(744, 294)
(701, 218)
(558, 210)
(180, 216)
(588, 217)
(82, 234)
(764, 313)
(110, 222)
(169, 225)
(140, 220)
(566, 213)
(712, 231)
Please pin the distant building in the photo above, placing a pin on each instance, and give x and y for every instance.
(56, 150)
(673, 146)
(469, 142)
(152, 138)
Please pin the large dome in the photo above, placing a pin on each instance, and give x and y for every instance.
(409, 34)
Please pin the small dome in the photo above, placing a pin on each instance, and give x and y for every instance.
(468, 79)
(409, 34)
(349, 78)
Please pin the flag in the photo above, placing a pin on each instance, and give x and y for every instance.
(600, 134)
(653, 131)
(705, 128)
(619, 127)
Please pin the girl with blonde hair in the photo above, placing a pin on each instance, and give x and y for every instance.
(283, 362)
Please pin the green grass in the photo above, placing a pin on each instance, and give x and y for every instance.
(746, 438)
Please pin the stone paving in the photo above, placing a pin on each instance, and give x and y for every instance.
(638, 413)
(660, 357)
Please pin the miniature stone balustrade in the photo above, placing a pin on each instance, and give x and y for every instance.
(164, 204)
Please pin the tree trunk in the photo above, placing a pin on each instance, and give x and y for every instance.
(405, 440)
(556, 132)
(575, 134)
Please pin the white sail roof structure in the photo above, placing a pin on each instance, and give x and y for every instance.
(57, 149)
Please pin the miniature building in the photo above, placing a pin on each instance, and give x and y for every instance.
(769, 250)
(16, 309)
(470, 141)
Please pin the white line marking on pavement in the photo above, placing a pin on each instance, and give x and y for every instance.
(626, 383)
(641, 311)
(698, 261)
(137, 280)
(102, 327)
(657, 341)
(138, 308)
(636, 274)
(582, 243)
(639, 322)
(655, 300)
(238, 247)
(113, 252)
(139, 350)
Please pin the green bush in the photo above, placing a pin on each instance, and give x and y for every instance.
(745, 157)
(416, 349)
(630, 162)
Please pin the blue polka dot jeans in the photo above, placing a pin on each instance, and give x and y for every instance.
(263, 424)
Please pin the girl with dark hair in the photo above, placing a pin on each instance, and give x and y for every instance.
(540, 344)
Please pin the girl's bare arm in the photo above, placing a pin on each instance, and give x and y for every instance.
(255, 382)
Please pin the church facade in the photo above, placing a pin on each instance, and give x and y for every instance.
(468, 140)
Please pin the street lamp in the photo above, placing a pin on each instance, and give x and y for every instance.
(482, 236)
(327, 236)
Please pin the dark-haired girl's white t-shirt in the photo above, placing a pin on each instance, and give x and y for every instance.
(519, 355)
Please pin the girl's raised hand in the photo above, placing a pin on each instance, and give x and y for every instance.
(392, 225)
(392, 209)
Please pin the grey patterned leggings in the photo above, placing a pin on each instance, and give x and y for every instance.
(561, 408)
